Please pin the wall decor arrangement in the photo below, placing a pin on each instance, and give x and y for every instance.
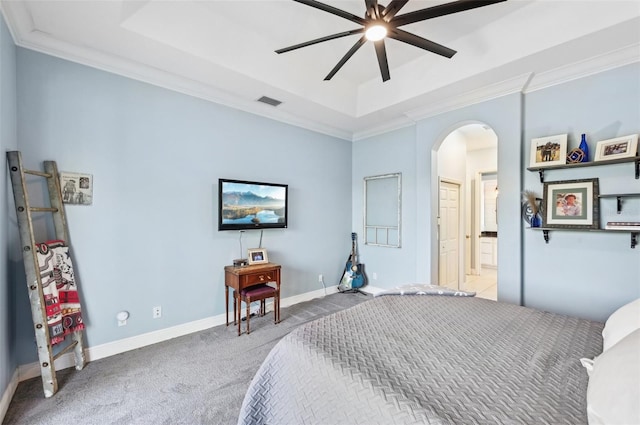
(620, 147)
(571, 204)
(549, 151)
(574, 205)
(76, 188)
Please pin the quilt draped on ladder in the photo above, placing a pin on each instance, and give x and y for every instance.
(60, 291)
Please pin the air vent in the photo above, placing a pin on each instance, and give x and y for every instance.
(269, 101)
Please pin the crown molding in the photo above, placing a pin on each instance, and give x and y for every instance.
(529, 82)
(391, 125)
(41, 42)
(610, 60)
(21, 28)
(451, 103)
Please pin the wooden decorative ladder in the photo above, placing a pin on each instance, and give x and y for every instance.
(29, 254)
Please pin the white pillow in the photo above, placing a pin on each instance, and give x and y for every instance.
(621, 323)
(613, 393)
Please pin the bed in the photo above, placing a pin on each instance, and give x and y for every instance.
(424, 359)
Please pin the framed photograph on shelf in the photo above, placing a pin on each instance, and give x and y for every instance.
(620, 147)
(548, 151)
(258, 256)
(571, 204)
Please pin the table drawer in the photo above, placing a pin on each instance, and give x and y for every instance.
(255, 278)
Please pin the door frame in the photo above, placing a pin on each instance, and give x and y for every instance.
(476, 214)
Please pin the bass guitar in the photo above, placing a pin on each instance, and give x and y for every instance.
(353, 277)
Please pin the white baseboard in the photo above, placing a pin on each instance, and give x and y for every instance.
(97, 352)
(8, 395)
(372, 290)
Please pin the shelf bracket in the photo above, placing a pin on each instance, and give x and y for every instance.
(546, 235)
(619, 198)
(634, 239)
(637, 168)
(541, 172)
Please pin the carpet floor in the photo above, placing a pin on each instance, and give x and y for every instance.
(199, 378)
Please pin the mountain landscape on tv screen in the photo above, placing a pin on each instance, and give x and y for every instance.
(243, 207)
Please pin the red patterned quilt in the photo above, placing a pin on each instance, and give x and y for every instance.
(60, 291)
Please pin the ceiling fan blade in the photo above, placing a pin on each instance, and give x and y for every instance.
(333, 11)
(381, 52)
(392, 9)
(420, 42)
(346, 57)
(320, 40)
(440, 10)
(372, 9)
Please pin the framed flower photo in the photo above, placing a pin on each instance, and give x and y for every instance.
(548, 151)
(258, 256)
(620, 147)
(571, 204)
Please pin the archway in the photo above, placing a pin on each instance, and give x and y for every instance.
(466, 218)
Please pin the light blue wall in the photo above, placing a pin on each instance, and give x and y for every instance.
(150, 238)
(8, 142)
(584, 273)
(388, 153)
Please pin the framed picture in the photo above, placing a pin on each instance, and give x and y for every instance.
(548, 151)
(258, 256)
(571, 204)
(620, 147)
(76, 188)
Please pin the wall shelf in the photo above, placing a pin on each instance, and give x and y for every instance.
(545, 230)
(620, 197)
(635, 159)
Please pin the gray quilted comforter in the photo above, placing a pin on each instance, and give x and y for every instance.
(427, 360)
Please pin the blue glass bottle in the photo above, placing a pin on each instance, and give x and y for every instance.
(584, 148)
(536, 221)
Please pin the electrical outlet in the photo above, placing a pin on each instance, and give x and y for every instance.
(122, 317)
(375, 276)
(320, 279)
(157, 312)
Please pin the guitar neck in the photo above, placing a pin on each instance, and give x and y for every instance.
(353, 252)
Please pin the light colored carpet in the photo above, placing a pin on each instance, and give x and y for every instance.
(199, 378)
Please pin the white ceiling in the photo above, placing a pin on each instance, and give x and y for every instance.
(224, 51)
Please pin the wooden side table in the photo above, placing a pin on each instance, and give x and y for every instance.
(239, 278)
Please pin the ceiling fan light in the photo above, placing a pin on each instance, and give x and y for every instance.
(376, 32)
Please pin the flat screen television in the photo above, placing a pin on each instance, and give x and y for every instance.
(246, 205)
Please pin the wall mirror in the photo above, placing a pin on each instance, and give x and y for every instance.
(382, 210)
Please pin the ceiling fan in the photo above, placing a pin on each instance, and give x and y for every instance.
(380, 22)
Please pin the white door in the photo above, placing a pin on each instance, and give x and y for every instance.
(448, 235)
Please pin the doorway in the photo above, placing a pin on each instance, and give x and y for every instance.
(469, 155)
